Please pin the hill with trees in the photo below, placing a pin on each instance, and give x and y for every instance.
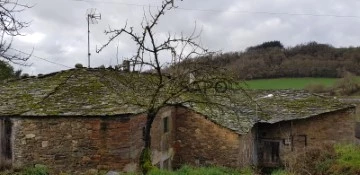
(272, 60)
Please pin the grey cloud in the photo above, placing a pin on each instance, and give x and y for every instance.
(234, 27)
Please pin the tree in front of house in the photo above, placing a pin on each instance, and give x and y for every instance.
(194, 83)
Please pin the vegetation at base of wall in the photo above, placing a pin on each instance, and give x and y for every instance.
(145, 161)
(36, 170)
(280, 172)
(336, 160)
(186, 170)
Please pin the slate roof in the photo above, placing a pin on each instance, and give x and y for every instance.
(98, 92)
(289, 105)
(75, 92)
(284, 105)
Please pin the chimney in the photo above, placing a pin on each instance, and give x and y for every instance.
(126, 65)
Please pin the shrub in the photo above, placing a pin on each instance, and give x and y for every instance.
(347, 85)
(310, 160)
(25, 75)
(78, 65)
(332, 160)
(316, 88)
(145, 161)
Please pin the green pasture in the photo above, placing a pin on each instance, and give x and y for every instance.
(288, 83)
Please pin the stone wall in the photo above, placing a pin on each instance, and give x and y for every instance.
(77, 143)
(161, 140)
(198, 141)
(325, 129)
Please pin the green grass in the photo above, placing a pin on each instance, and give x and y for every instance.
(288, 83)
(188, 170)
(280, 172)
(348, 158)
(38, 170)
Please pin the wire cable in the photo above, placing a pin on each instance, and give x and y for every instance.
(32, 55)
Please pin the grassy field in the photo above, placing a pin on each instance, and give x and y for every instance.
(188, 170)
(288, 83)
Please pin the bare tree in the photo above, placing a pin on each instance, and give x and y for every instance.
(10, 26)
(191, 83)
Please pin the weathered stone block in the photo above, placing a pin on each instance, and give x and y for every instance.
(30, 136)
(44, 144)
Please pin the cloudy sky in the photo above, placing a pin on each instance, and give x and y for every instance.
(58, 30)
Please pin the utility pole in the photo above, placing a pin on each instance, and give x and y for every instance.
(93, 17)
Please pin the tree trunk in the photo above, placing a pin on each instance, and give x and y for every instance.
(145, 158)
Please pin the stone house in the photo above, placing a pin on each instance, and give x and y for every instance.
(286, 123)
(71, 121)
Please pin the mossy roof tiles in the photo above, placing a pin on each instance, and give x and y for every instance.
(76, 92)
(98, 92)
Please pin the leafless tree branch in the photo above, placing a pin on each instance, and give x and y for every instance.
(161, 87)
(10, 26)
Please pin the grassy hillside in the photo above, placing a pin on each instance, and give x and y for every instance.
(288, 83)
(273, 60)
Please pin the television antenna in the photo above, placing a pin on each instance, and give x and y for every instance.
(92, 17)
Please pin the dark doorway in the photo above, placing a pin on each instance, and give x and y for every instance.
(269, 151)
(5, 143)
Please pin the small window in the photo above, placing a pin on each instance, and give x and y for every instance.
(166, 124)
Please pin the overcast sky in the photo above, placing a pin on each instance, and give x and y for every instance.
(58, 30)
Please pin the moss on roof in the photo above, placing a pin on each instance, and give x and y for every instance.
(72, 92)
(290, 104)
(284, 105)
(102, 92)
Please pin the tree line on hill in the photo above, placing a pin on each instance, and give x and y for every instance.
(272, 60)
(7, 71)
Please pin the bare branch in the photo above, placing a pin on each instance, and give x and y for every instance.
(160, 87)
(11, 27)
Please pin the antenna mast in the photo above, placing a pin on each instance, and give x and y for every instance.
(92, 17)
(117, 54)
